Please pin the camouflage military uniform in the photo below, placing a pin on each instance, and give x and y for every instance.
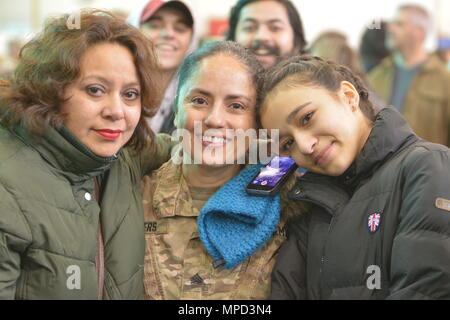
(177, 266)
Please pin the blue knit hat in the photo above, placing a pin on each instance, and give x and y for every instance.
(233, 224)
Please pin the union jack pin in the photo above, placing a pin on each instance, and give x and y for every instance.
(373, 222)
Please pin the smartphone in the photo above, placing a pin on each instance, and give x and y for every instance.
(271, 177)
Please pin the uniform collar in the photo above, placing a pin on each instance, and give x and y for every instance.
(172, 196)
(67, 154)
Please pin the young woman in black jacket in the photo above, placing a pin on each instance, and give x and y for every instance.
(379, 224)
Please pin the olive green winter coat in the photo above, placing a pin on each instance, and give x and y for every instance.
(49, 217)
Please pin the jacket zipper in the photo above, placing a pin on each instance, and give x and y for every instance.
(21, 291)
(100, 256)
(322, 258)
(100, 263)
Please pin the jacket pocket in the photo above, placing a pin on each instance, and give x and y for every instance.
(52, 276)
(359, 293)
(131, 289)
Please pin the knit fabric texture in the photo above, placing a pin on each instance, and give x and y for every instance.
(233, 224)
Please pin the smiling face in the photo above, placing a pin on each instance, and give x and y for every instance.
(103, 105)
(169, 30)
(323, 132)
(264, 27)
(220, 97)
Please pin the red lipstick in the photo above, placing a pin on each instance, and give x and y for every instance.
(109, 134)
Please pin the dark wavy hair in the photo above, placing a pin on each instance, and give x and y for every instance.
(314, 71)
(293, 15)
(50, 62)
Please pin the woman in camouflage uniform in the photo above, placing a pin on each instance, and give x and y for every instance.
(218, 90)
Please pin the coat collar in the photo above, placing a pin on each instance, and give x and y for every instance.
(389, 135)
(67, 154)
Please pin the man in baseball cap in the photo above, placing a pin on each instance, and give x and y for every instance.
(170, 26)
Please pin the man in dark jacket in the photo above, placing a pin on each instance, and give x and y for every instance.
(379, 231)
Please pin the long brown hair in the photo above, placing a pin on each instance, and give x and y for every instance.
(51, 61)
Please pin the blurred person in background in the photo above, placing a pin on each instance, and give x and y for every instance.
(170, 26)
(74, 145)
(443, 51)
(372, 48)
(334, 46)
(272, 29)
(2, 69)
(414, 82)
(10, 61)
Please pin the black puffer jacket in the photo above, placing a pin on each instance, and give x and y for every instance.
(380, 231)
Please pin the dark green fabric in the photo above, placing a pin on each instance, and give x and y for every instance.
(330, 250)
(47, 224)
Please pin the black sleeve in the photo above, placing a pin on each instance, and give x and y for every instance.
(289, 273)
(420, 263)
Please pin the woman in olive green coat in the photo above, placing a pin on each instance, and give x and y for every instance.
(73, 147)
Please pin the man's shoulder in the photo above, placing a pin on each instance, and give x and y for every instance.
(169, 172)
(435, 64)
(166, 179)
